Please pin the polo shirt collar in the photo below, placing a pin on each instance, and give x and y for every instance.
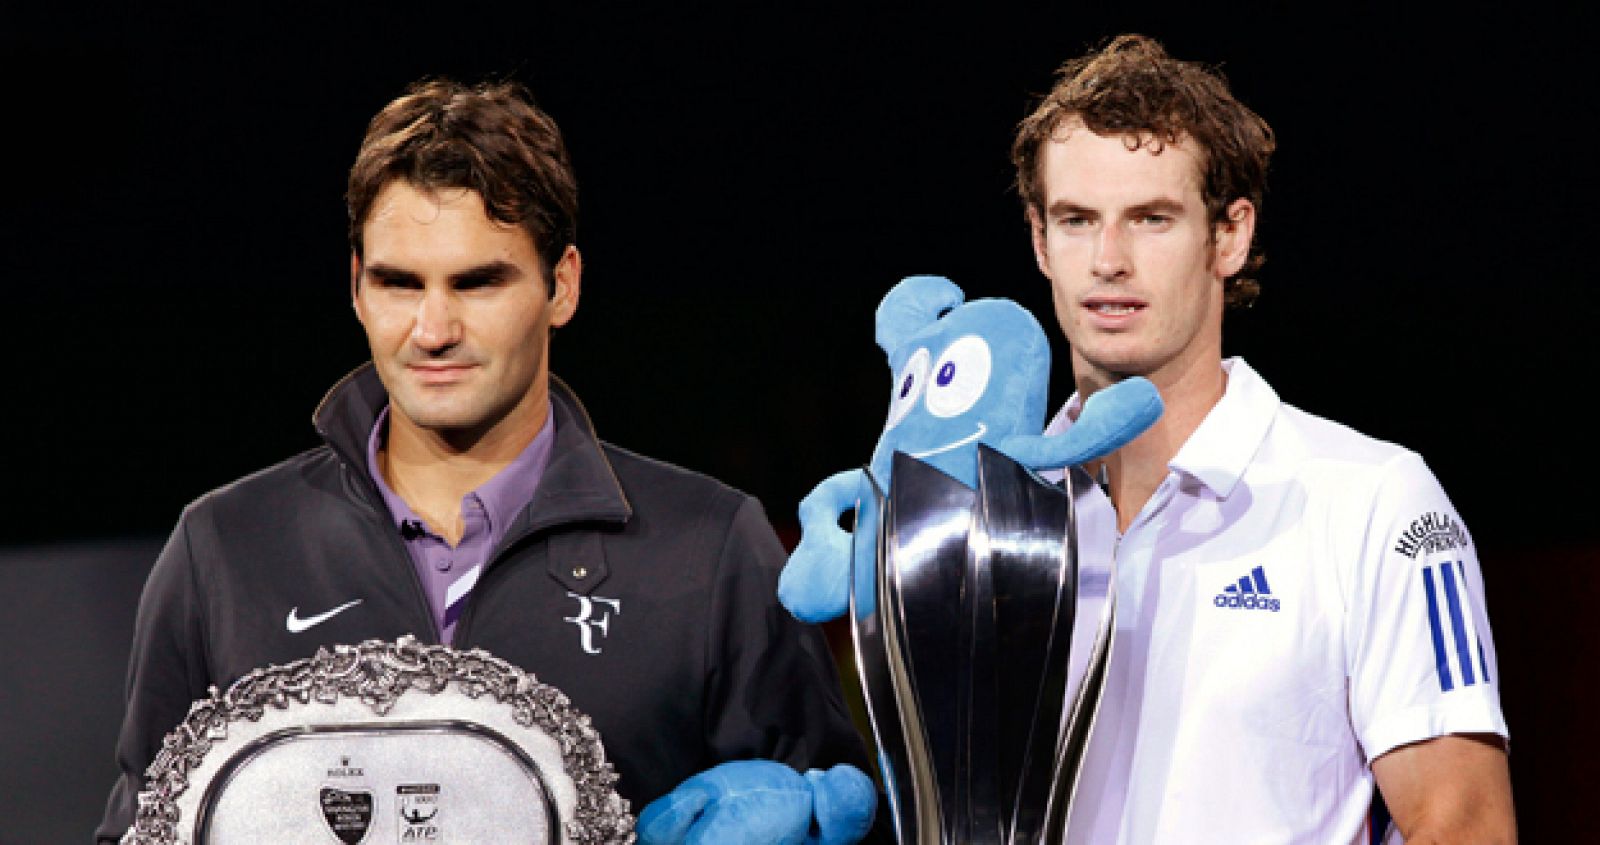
(503, 496)
(513, 487)
(1218, 452)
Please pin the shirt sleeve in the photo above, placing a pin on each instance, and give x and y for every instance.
(773, 691)
(1422, 661)
(166, 673)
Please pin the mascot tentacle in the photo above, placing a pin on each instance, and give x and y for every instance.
(814, 584)
(911, 305)
(844, 801)
(760, 801)
(1110, 418)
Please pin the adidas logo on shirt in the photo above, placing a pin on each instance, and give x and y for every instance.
(1251, 593)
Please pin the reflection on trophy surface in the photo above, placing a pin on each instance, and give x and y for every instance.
(980, 645)
(384, 742)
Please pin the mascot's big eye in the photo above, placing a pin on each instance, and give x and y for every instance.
(959, 377)
(908, 384)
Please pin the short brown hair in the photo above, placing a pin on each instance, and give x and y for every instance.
(1132, 87)
(491, 139)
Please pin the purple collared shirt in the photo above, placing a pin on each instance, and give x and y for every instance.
(449, 574)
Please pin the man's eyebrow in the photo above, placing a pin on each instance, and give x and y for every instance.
(489, 271)
(1061, 208)
(384, 272)
(1159, 205)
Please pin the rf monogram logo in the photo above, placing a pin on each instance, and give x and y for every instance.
(588, 623)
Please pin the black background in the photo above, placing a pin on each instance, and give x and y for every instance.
(752, 182)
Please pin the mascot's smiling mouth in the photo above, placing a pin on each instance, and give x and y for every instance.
(982, 430)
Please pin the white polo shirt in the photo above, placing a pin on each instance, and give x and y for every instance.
(1295, 600)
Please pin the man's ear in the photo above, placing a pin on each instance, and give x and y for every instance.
(1036, 237)
(355, 283)
(1233, 237)
(568, 281)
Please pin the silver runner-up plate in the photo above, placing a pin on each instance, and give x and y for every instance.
(383, 743)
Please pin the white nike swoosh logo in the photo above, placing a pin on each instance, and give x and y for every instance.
(982, 430)
(295, 624)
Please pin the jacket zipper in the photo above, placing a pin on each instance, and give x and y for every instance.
(464, 624)
(385, 519)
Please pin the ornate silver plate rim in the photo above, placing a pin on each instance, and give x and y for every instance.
(377, 673)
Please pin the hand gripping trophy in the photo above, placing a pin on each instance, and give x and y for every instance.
(980, 641)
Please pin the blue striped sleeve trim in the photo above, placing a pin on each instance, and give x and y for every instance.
(1440, 659)
(1457, 625)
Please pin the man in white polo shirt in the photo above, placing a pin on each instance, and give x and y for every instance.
(1302, 653)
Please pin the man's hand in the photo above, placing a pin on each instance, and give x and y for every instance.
(762, 802)
(1450, 789)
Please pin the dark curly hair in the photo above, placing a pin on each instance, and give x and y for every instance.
(1132, 87)
(491, 139)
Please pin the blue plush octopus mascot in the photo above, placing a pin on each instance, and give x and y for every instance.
(964, 373)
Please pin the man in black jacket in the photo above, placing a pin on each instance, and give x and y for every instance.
(463, 497)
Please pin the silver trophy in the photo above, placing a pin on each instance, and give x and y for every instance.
(981, 646)
(383, 743)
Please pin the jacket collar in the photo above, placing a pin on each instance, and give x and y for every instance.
(579, 484)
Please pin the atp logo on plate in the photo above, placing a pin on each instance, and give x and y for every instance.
(418, 804)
